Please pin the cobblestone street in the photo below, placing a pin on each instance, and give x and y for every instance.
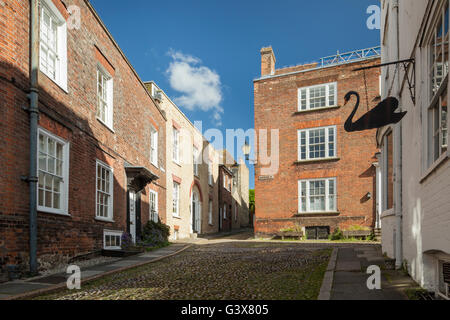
(219, 269)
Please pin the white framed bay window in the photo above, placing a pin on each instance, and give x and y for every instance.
(317, 195)
(53, 43)
(104, 192)
(317, 97)
(317, 143)
(53, 173)
(438, 67)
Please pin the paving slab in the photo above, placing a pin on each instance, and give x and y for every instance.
(20, 287)
(348, 266)
(90, 273)
(350, 282)
(53, 279)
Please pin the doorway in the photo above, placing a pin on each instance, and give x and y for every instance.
(134, 215)
(196, 212)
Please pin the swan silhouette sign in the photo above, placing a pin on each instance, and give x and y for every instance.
(382, 115)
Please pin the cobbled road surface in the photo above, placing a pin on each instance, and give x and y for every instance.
(223, 269)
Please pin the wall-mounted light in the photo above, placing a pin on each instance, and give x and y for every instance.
(369, 195)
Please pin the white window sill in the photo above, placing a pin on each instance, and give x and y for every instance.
(155, 165)
(177, 163)
(176, 217)
(104, 219)
(318, 213)
(317, 109)
(317, 160)
(62, 87)
(106, 125)
(112, 248)
(444, 157)
(55, 212)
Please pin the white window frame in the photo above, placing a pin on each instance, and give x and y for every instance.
(110, 217)
(434, 157)
(225, 211)
(109, 103)
(195, 160)
(176, 199)
(210, 174)
(327, 143)
(176, 145)
(308, 96)
(154, 146)
(210, 213)
(154, 215)
(308, 195)
(113, 234)
(60, 76)
(64, 187)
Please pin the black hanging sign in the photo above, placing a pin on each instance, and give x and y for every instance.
(382, 115)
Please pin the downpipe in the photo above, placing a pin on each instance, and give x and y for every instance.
(398, 145)
(34, 117)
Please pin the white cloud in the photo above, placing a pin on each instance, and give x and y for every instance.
(200, 87)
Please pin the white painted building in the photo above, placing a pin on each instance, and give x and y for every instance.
(414, 162)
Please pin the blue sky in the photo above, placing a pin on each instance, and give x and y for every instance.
(216, 44)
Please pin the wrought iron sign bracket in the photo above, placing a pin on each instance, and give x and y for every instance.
(410, 79)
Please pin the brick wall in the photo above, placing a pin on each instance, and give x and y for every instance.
(70, 115)
(276, 106)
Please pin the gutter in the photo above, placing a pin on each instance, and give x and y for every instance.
(34, 116)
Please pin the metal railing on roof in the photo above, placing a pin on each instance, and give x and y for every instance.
(348, 57)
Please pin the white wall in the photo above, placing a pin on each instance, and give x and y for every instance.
(425, 198)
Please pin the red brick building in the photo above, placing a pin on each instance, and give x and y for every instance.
(326, 176)
(96, 150)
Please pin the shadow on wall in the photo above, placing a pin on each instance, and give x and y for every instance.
(371, 195)
(59, 237)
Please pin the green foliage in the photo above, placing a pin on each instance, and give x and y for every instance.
(155, 234)
(371, 237)
(337, 235)
(295, 228)
(252, 200)
(357, 227)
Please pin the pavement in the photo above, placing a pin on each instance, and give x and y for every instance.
(349, 280)
(22, 289)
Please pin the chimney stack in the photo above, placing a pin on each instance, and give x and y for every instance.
(267, 62)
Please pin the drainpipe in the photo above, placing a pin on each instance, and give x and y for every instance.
(34, 115)
(397, 149)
